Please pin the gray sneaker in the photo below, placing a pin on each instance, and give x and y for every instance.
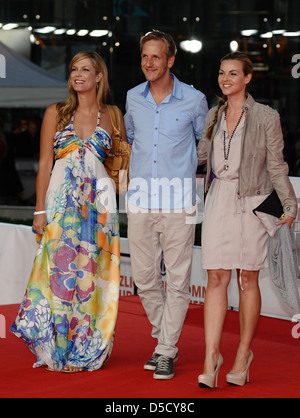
(152, 363)
(164, 369)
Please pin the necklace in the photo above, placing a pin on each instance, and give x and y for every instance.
(226, 153)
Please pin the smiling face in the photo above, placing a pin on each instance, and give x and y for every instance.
(83, 76)
(232, 79)
(154, 61)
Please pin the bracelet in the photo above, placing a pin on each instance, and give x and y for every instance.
(39, 212)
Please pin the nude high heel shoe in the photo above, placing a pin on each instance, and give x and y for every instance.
(210, 380)
(239, 379)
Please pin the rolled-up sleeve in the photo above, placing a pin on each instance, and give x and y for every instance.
(129, 126)
(199, 117)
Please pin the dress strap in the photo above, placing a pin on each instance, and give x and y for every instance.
(98, 118)
(72, 120)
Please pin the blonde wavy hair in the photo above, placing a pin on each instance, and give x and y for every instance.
(66, 109)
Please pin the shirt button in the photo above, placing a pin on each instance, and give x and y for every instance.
(154, 161)
(258, 192)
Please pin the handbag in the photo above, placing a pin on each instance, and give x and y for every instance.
(118, 160)
(269, 211)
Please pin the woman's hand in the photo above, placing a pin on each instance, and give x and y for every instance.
(39, 222)
(286, 220)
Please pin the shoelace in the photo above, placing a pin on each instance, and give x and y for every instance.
(164, 363)
(155, 358)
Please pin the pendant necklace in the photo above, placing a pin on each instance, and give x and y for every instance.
(226, 154)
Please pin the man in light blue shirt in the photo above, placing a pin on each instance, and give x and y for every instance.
(163, 145)
(163, 119)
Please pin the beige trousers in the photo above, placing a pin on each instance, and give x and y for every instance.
(150, 233)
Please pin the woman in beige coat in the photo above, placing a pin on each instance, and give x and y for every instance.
(242, 146)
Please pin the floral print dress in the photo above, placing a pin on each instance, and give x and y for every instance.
(69, 311)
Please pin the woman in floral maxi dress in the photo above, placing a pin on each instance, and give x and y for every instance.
(69, 311)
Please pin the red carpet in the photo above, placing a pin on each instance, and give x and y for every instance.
(275, 372)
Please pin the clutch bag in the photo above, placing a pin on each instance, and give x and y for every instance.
(269, 211)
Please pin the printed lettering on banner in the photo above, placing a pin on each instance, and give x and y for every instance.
(198, 281)
(126, 281)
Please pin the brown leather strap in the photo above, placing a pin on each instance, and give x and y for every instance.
(114, 115)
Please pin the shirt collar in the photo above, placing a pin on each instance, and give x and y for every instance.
(177, 89)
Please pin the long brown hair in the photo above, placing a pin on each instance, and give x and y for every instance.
(65, 109)
(247, 69)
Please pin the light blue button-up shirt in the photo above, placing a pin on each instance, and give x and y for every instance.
(164, 158)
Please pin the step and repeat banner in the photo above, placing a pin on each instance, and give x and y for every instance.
(18, 247)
